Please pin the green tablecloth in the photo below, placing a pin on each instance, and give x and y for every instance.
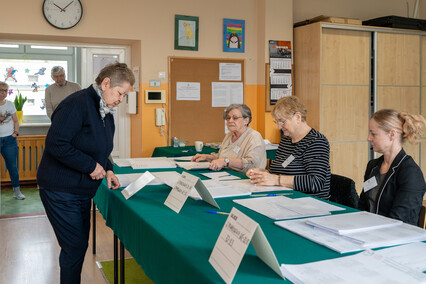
(175, 248)
(172, 152)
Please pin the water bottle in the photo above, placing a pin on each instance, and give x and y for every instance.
(175, 142)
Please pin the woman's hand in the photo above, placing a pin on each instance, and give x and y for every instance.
(262, 177)
(98, 173)
(217, 165)
(112, 180)
(202, 157)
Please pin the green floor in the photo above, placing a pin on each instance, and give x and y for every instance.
(11, 206)
(133, 273)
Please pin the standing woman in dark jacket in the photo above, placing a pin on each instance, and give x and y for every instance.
(75, 160)
(394, 184)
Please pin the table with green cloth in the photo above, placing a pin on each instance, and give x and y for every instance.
(173, 152)
(175, 248)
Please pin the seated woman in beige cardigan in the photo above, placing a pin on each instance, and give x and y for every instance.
(242, 148)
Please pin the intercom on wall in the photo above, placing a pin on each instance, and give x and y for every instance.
(155, 96)
(160, 117)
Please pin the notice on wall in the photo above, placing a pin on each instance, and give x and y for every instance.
(224, 94)
(280, 70)
(230, 71)
(188, 91)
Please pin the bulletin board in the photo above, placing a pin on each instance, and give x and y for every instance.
(197, 120)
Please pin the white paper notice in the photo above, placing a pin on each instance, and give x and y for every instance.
(230, 71)
(180, 191)
(232, 244)
(224, 94)
(230, 247)
(137, 185)
(188, 91)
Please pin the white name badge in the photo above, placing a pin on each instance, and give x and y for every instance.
(237, 149)
(288, 161)
(237, 233)
(369, 184)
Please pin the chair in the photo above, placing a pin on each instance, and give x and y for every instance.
(342, 191)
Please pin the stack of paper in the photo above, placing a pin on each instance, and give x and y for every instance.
(122, 162)
(219, 190)
(247, 185)
(222, 176)
(281, 207)
(352, 222)
(353, 232)
(189, 166)
(392, 265)
(152, 163)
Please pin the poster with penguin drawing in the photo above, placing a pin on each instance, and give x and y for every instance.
(233, 35)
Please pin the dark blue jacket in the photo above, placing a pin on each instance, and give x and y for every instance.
(400, 195)
(77, 139)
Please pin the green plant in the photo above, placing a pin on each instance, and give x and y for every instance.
(19, 101)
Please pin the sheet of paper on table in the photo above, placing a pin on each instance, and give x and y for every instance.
(222, 176)
(247, 185)
(219, 190)
(354, 269)
(281, 207)
(122, 162)
(152, 163)
(189, 166)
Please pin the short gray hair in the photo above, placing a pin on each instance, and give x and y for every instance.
(56, 69)
(244, 109)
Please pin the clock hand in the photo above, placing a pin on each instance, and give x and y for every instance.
(62, 10)
(68, 5)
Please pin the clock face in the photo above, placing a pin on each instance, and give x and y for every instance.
(62, 14)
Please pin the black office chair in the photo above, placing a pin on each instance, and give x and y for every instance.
(342, 191)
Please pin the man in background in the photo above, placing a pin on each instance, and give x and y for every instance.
(62, 88)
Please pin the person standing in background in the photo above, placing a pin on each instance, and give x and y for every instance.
(9, 130)
(62, 88)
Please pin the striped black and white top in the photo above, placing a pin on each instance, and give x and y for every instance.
(306, 160)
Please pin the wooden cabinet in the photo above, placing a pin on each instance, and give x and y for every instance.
(344, 73)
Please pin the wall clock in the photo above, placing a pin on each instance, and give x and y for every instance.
(62, 14)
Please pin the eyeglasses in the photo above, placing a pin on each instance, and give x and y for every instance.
(228, 118)
(280, 123)
(3, 90)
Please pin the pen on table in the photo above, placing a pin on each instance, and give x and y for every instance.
(217, 212)
(271, 194)
(224, 176)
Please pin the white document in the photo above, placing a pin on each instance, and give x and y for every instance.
(320, 204)
(224, 94)
(218, 190)
(247, 185)
(193, 165)
(222, 176)
(411, 255)
(278, 93)
(152, 163)
(322, 237)
(281, 79)
(169, 178)
(137, 185)
(352, 222)
(122, 162)
(126, 179)
(365, 267)
(180, 191)
(281, 207)
(230, 247)
(230, 71)
(186, 158)
(188, 91)
(280, 63)
(389, 236)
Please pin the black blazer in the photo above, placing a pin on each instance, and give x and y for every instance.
(401, 194)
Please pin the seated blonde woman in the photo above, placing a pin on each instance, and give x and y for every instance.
(242, 148)
(394, 184)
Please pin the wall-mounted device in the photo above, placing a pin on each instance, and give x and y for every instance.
(160, 116)
(155, 96)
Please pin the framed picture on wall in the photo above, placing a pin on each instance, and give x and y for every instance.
(233, 35)
(186, 32)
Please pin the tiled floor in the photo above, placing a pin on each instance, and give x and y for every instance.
(11, 206)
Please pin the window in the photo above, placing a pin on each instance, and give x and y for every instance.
(26, 69)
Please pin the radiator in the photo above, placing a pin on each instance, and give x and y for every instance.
(30, 150)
